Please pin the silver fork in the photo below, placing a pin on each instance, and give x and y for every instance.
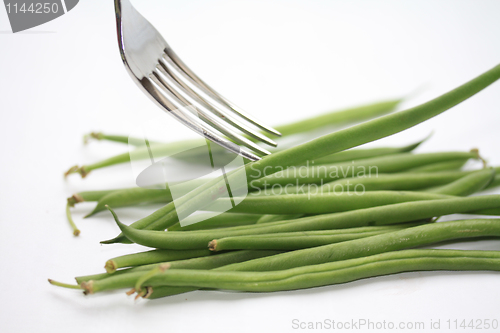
(163, 76)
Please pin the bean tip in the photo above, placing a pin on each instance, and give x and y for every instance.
(212, 245)
(92, 135)
(117, 239)
(163, 267)
(114, 215)
(74, 199)
(73, 169)
(479, 157)
(110, 266)
(149, 292)
(76, 169)
(83, 172)
(140, 294)
(88, 287)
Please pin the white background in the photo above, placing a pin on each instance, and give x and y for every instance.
(280, 60)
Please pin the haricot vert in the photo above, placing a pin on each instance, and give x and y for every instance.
(313, 236)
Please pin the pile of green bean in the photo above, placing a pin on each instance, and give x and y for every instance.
(319, 213)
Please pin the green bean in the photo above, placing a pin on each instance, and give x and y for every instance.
(206, 262)
(403, 181)
(398, 240)
(280, 190)
(361, 230)
(165, 291)
(400, 181)
(148, 275)
(349, 115)
(495, 182)
(358, 154)
(323, 146)
(150, 257)
(269, 282)
(360, 168)
(273, 218)
(441, 166)
(162, 291)
(100, 276)
(142, 152)
(467, 185)
(348, 270)
(383, 215)
(222, 259)
(82, 197)
(100, 136)
(113, 138)
(297, 240)
(213, 222)
(138, 195)
(88, 196)
(322, 203)
(131, 197)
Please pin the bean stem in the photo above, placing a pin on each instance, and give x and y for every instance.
(76, 231)
(64, 285)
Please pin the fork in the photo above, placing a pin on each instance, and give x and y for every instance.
(162, 75)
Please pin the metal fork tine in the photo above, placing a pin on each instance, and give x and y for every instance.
(188, 76)
(219, 109)
(203, 110)
(165, 99)
(152, 64)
